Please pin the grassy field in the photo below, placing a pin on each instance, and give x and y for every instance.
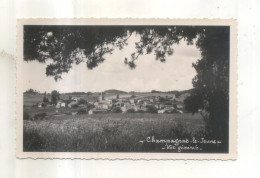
(109, 132)
(31, 99)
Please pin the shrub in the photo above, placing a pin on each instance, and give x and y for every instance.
(130, 111)
(82, 111)
(45, 100)
(140, 111)
(26, 116)
(117, 110)
(171, 111)
(90, 106)
(82, 101)
(151, 109)
(168, 112)
(75, 106)
(40, 116)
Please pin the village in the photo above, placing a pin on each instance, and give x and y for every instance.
(119, 104)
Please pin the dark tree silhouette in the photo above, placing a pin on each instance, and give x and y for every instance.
(193, 103)
(55, 96)
(45, 99)
(31, 91)
(151, 109)
(212, 80)
(67, 45)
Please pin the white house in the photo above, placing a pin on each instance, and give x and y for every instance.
(169, 107)
(132, 101)
(161, 111)
(179, 106)
(90, 111)
(102, 106)
(39, 105)
(61, 104)
(123, 109)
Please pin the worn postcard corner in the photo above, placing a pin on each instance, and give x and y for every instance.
(127, 89)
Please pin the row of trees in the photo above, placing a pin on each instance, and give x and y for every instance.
(31, 91)
(55, 96)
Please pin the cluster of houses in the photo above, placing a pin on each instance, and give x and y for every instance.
(103, 104)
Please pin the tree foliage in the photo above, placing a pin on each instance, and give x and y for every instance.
(130, 111)
(193, 103)
(55, 96)
(82, 101)
(117, 110)
(68, 45)
(151, 109)
(212, 80)
(45, 99)
(31, 91)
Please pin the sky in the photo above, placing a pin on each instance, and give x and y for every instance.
(175, 74)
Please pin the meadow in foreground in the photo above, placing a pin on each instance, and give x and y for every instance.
(109, 132)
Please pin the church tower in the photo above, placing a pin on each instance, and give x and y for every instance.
(102, 97)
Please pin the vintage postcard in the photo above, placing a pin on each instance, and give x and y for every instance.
(126, 89)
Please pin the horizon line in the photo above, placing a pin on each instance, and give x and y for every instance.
(111, 89)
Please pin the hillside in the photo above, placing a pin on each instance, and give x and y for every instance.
(114, 91)
(174, 91)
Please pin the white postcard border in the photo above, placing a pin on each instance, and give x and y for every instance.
(232, 155)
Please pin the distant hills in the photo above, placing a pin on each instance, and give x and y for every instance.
(173, 92)
(114, 91)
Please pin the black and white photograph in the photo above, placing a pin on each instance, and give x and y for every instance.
(126, 88)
